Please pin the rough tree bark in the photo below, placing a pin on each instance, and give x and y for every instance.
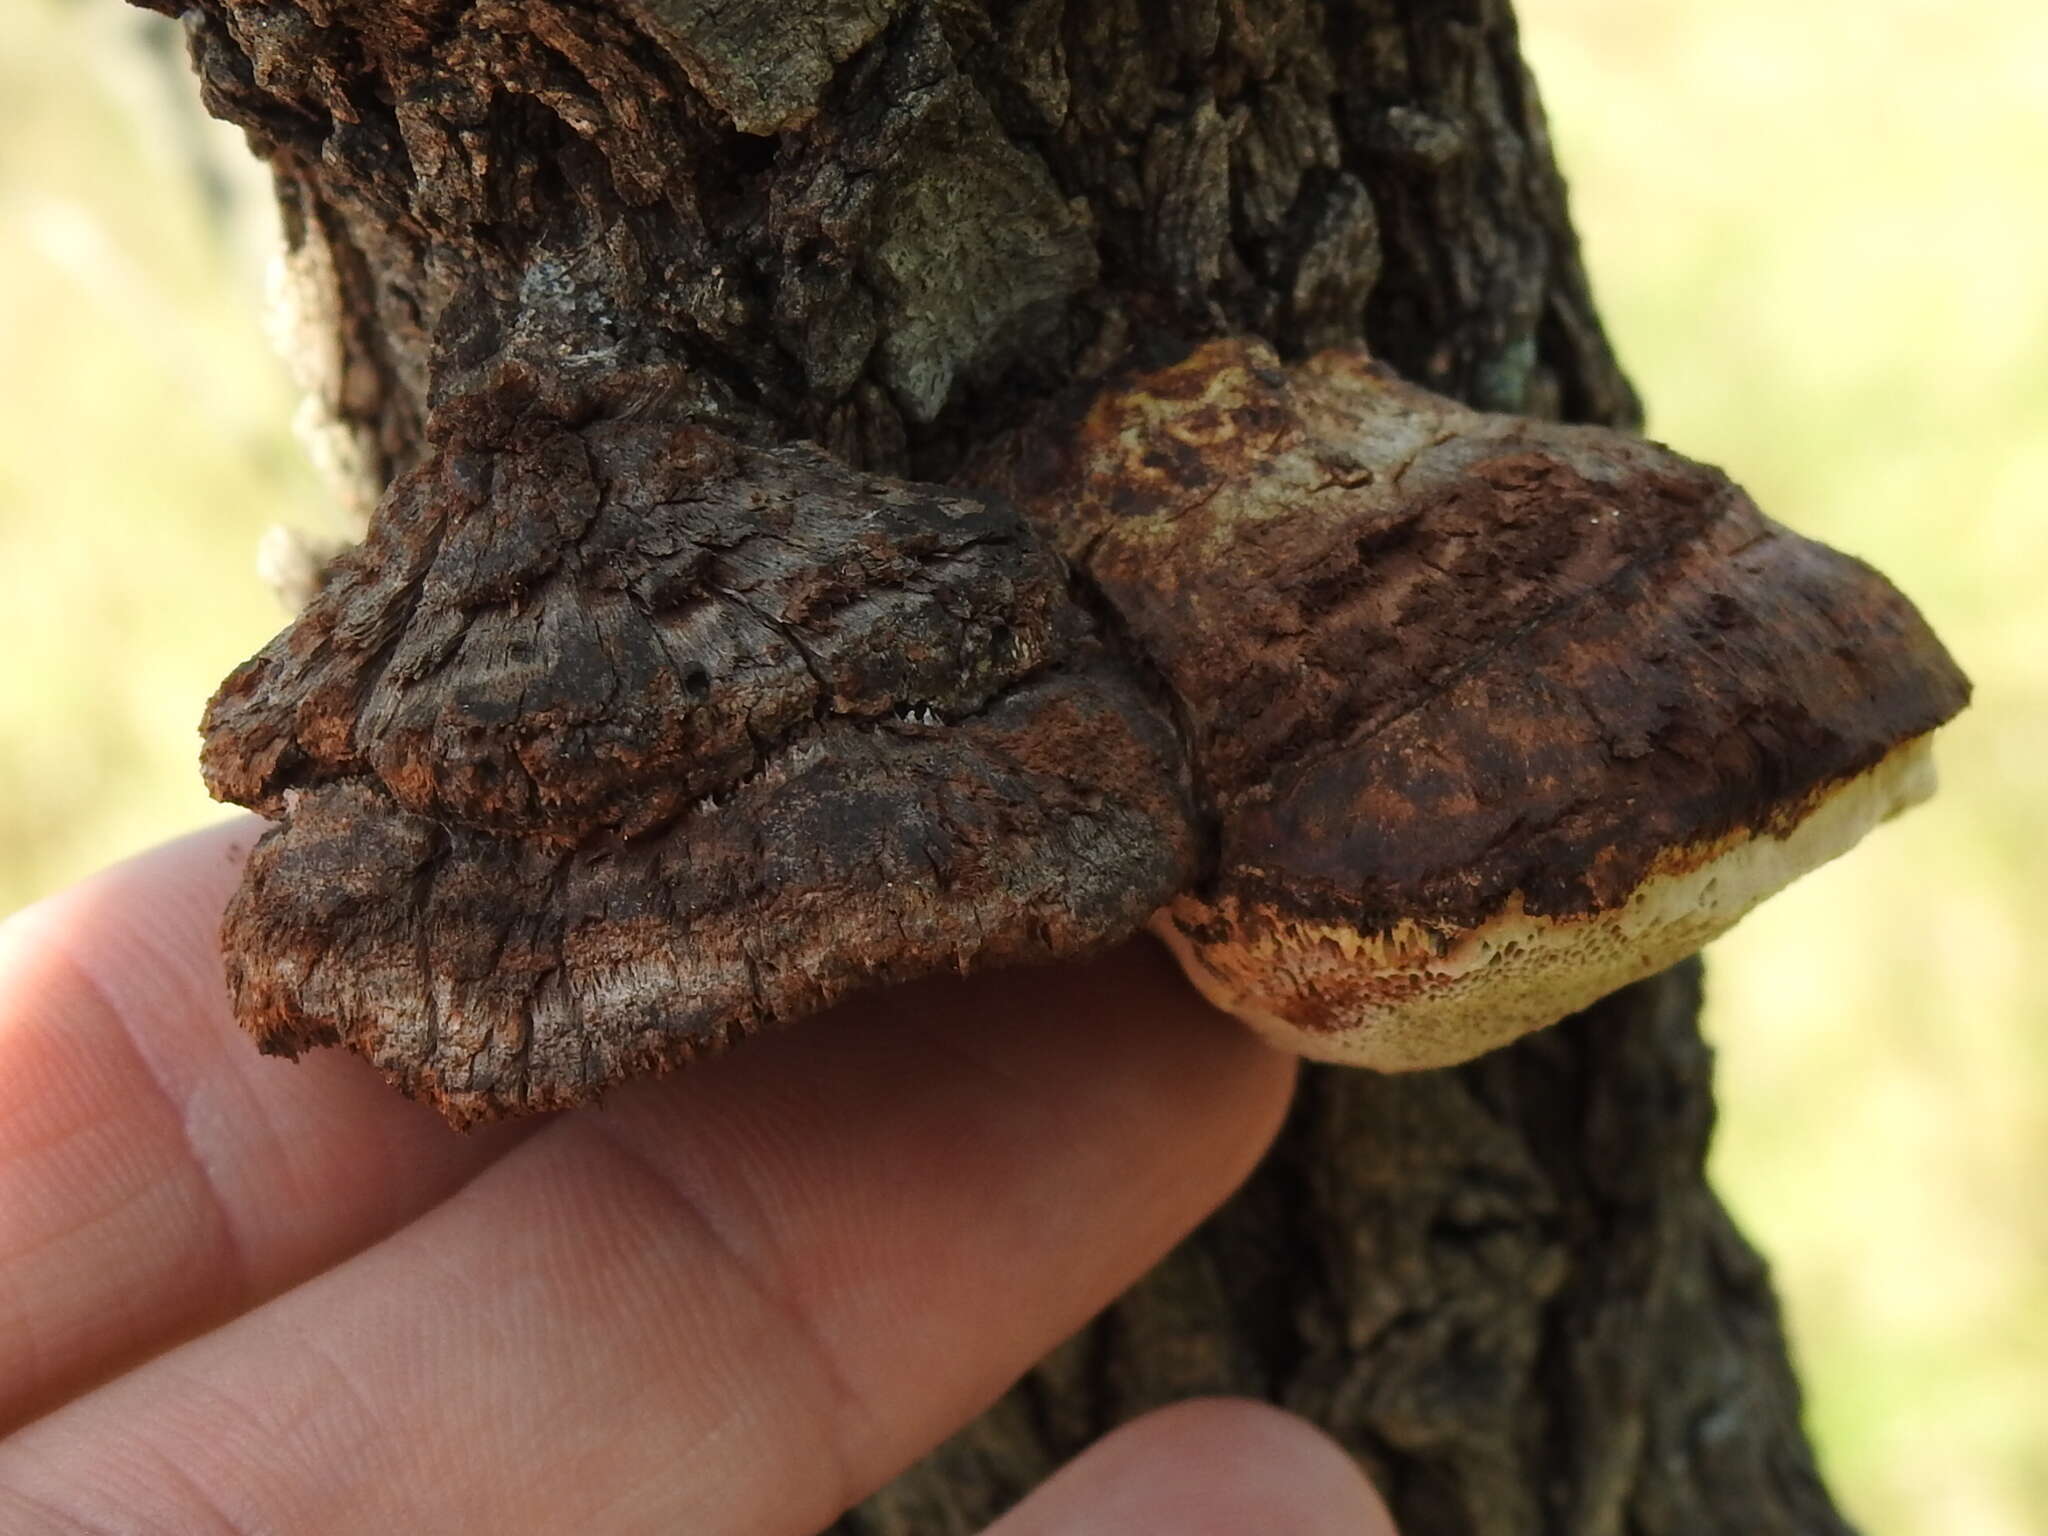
(892, 226)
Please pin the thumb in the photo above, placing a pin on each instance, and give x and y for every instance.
(1210, 1467)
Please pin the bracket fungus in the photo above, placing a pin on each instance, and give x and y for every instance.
(1409, 728)
(1489, 716)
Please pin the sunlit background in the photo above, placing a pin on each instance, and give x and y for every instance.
(1820, 236)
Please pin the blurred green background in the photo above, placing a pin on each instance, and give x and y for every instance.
(1820, 237)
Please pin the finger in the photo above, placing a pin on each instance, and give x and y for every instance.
(156, 1174)
(736, 1302)
(1213, 1467)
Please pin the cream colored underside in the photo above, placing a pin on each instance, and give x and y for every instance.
(1417, 997)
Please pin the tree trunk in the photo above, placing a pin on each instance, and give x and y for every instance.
(893, 226)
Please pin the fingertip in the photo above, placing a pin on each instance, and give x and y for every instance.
(1207, 1467)
(1142, 985)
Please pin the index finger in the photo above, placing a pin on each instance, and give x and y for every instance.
(156, 1174)
(733, 1301)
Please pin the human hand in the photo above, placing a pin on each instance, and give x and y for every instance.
(237, 1295)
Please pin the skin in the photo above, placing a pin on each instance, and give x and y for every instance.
(239, 1295)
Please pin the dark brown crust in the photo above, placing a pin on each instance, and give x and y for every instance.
(492, 975)
(1428, 657)
(1726, 686)
(595, 629)
(613, 746)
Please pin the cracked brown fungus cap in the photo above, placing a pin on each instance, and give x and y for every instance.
(611, 747)
(1409, 728)
(1488, 716)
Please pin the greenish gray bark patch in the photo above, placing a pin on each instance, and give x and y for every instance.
(767, 63)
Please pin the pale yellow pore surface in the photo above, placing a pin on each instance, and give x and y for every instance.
(1417, 997)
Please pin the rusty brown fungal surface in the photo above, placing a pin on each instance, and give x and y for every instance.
(609, 747)
(1409, 728)
(1490, 716)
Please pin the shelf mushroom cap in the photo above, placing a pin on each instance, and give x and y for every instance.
(613, 745)
(1488, 716)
